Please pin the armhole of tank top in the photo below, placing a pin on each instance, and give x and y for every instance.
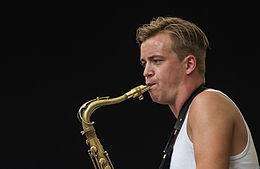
(246, 149)
(186, 128)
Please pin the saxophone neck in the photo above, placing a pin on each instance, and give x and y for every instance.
(88, 108)
(100, 102)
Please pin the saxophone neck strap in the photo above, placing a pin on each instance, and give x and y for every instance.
(186, 106)
(178, 124)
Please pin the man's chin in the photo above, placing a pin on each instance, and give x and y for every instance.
(156, 99)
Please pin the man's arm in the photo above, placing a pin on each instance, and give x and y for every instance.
(210, 129)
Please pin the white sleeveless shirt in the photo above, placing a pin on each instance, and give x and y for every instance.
(183, 152)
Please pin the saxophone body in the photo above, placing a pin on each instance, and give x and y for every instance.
(98, 155)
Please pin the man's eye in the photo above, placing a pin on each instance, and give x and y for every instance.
(157, 61)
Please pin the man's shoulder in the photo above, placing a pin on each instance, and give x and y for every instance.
(211, 112)
(211, 105)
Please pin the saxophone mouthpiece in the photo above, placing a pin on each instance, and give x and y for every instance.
(137, 92)
(145, 88)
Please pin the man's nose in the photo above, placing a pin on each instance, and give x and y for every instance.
(148, 72)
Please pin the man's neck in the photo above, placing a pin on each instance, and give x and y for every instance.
(183, 94)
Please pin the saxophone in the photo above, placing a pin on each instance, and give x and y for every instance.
(99, 157)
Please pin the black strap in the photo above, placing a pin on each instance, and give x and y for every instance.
(165, 163)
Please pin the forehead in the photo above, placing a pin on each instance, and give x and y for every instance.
(156, 45)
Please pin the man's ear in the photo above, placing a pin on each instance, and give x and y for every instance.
(190, 64)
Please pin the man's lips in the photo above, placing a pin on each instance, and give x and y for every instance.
(151, 85)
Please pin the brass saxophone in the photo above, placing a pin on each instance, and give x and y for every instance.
(99, 157)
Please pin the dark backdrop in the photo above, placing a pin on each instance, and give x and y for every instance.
(58, 56)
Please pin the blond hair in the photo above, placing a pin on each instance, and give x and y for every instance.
(187, 38)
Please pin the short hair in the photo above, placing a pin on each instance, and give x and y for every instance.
(187, 38)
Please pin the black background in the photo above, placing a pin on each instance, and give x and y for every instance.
(56, 56)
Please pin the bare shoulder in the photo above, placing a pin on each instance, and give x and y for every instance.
(216, 128)
(212, 104)
(211, 110)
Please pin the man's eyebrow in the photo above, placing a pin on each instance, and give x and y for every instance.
(152, 57)
(155, 56)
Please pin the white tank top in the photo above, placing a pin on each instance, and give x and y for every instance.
(183, 152)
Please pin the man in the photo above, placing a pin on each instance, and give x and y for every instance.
(214, 134)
